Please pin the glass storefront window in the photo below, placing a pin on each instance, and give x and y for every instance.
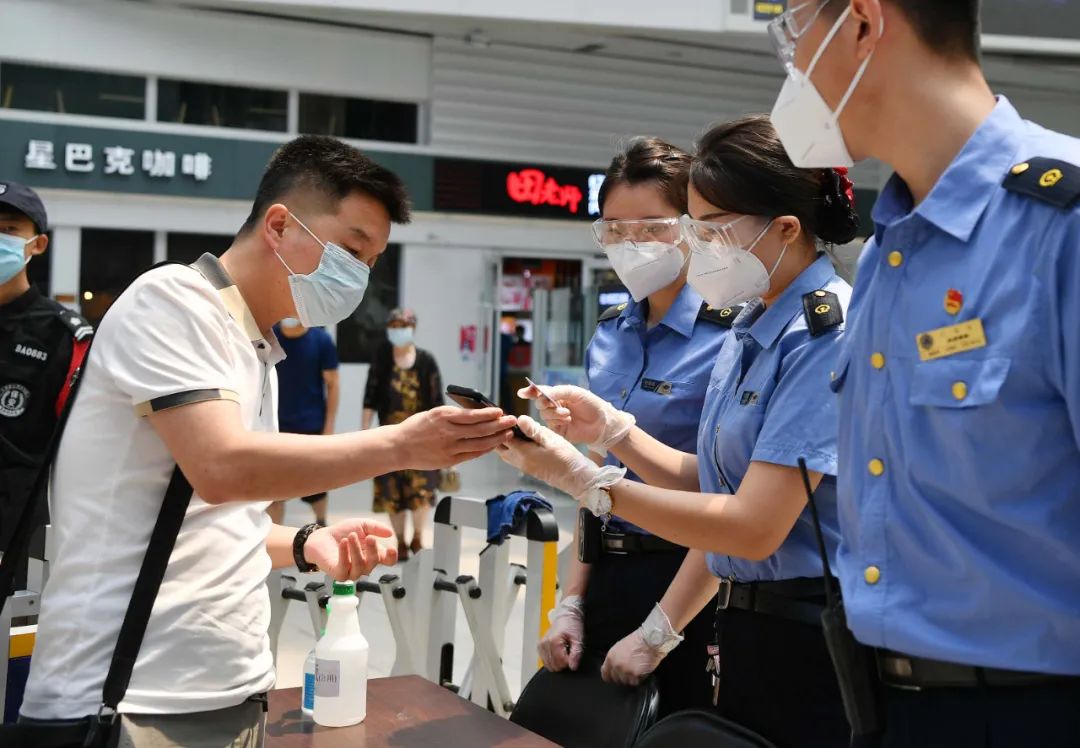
(187, 248)
(362, 332)
(110, 259)
(363, 119)
(215, 105)
(46, 89)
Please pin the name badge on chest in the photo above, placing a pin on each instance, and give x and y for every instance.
(948, 341)
(657, 386)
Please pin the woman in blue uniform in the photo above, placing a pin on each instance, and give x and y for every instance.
(652, 358)
(757, 235)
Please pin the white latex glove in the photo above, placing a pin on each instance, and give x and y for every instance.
(564, 642)
(557, 462)
(632, 659)
(581, 416)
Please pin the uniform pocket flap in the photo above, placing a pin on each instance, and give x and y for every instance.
(961, 383)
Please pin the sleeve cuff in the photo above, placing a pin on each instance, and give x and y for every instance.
(816, 460)
(177, 399)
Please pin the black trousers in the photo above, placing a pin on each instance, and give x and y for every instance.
(622, 590)
(1046, 716)
(776, 678)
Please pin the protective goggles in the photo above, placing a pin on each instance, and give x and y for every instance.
(786, 29)
(705, 236)
(607, 233)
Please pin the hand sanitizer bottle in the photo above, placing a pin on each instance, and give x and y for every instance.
(341, 664)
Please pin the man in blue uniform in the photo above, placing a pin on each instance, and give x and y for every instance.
(959, 380)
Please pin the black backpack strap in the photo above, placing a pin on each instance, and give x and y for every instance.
(155, 562)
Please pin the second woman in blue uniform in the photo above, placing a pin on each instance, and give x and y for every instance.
(758, 228)
(650, 357)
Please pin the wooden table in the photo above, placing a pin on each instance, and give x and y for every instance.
(406, 712)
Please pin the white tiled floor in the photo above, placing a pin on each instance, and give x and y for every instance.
(481, 479)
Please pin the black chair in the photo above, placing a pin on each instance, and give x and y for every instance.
(579, 710)
(696, 728)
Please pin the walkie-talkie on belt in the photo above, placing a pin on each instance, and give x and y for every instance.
(856, 669)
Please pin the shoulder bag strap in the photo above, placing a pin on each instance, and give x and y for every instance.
(155, 562)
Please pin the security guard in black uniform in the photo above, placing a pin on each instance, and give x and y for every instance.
(41, 345)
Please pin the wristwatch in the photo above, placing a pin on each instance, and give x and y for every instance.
(298, 547)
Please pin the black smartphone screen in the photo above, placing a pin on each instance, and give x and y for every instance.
(470, 399)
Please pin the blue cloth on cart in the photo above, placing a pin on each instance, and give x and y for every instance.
(505, 512)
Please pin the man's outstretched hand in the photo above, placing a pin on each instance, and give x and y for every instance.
(347, 550)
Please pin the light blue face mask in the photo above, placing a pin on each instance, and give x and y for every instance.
(12, 259)
(333, 290)
(400, 336)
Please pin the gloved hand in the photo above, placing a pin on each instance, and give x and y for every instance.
(558, 463)
(581, 416)
(633, 658)
(564, 643)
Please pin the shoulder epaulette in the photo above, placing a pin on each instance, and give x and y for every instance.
(823, 311)
(1047, 179)
(78, 326)
(723, 317)
(611, 312)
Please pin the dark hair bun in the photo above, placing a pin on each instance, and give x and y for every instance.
(838, 223)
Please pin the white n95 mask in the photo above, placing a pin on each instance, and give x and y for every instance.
(645, 267)
(333, 290)
(808, 128)
(725, 273)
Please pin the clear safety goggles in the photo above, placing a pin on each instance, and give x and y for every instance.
(786, 29)
(707, 236)
(608, 233)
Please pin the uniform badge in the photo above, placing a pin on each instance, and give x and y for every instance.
(948, 341)
(954, 301)
(13, 400)
(657, 386)
(749, 398)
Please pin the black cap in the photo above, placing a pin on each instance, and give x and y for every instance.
(25, 201)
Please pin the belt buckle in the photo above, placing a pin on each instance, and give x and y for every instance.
(898, 671)
(723, 596)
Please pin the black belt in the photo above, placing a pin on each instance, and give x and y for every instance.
(625, 543)
(800, 600)
(915, 673)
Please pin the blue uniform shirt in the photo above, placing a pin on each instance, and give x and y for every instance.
(769, 401)
(960, 474)
(301, 388)
(659, 375)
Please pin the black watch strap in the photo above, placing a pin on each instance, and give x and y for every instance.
(298, 547)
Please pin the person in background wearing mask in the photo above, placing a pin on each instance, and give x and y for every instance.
(757, 233)
(960, 565)
(403, 380)
(182, 374)
(310, 390)
(651, 358)
(42, 343)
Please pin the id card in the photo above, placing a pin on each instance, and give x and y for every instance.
(948, 341)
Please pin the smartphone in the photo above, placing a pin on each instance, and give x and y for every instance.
(470, 399)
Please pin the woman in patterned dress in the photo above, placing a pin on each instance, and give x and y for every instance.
(404, 380)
